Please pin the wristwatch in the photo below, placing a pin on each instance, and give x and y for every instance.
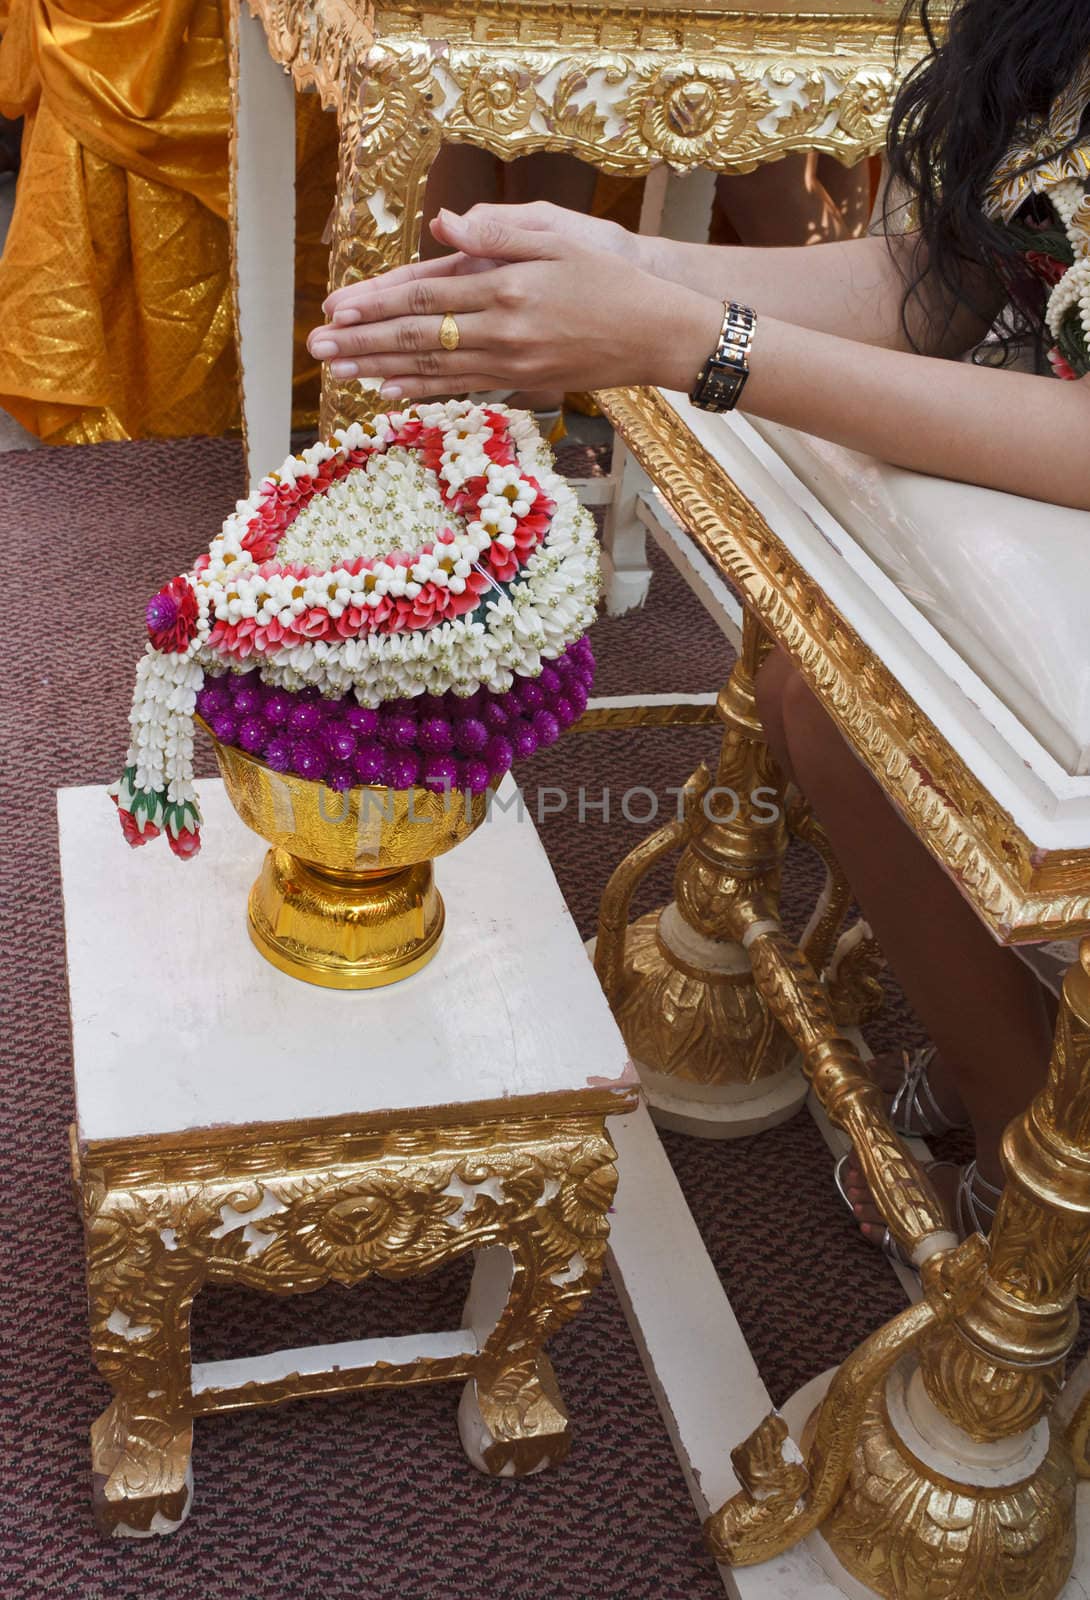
(722, 378)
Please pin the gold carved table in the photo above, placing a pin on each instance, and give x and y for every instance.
(237, 1126)
(626, 88)
(943, 628)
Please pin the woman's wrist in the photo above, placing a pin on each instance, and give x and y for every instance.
(661, 258)
(692, 334)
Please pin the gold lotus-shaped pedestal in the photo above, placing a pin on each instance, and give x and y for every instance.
(346, 896)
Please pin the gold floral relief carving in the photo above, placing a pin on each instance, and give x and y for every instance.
(854, 977)
(701, 1027)
(989, 1400)
(692, 112)
(499, 99)
(902, 1530)
(318, 40)
(416, 1199)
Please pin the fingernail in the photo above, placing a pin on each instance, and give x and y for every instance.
(345, 318)
(344, 369)
(322, 349)
(391, 391)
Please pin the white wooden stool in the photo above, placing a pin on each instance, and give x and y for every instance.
(235, 1125)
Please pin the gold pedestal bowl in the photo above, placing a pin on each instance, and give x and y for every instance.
(346, 897)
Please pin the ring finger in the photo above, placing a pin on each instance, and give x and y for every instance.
(444, 364)
(343, 347)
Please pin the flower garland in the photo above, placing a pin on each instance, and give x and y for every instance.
(430, 552)
(1068, 310)
(441, 742)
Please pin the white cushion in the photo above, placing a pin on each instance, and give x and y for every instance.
(1004, 580)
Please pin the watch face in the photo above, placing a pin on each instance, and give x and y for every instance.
(722, 384)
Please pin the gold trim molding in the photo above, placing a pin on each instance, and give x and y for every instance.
(1021, 892)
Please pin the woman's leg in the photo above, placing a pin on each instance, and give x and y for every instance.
(982, 1007)
(769, 685)
(461, 176)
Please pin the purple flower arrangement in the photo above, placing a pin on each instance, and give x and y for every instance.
(438, 742)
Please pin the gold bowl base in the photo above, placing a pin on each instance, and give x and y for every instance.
(345, 929)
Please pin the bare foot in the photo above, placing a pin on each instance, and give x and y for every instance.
(872, 1224)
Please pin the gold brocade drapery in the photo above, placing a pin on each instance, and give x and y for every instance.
(114, 281)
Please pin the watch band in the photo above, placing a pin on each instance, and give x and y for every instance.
(722, 378)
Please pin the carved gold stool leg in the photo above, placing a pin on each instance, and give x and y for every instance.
(712, 1059)
(939, 1468)
(511, 1419)
(140, 1291)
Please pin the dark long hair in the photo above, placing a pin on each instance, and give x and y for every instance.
(996, 63)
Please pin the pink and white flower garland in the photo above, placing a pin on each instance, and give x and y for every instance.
(432, 550)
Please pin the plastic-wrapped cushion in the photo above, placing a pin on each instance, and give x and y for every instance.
(1004, 580)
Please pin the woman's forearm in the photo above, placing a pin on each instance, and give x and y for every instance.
(553, 314)
(854, 288)
(1006, 430)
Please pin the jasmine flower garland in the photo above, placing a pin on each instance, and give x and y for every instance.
(431, 553)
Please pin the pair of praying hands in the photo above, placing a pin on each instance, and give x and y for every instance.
(543, 299)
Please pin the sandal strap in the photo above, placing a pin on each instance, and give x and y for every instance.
(914, 1110)
(976, 1210)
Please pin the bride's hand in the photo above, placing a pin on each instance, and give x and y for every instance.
(342, 306)
(541, 216)
(535, 309)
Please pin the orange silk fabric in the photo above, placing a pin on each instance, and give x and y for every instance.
(115, 281)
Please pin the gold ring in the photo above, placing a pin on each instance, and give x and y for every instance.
(449, 337)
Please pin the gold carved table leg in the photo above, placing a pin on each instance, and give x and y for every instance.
(529, 1198)
(937, 1470)
(712, 1057)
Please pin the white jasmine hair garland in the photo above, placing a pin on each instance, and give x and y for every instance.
(1068, 311)
(431, 553)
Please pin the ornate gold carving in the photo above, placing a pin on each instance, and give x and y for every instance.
(905, 1531)
(318, 42)
(498, 99)
(609, 952)
(1020, 891)
(699, 1026)
(688, 113)
(765, 1469)
(853, 979)
(990, 1400)
(780, 1502)
(685, 999)
(336, 1210)
(794, 994)
(992, 1334)
(999, 1367)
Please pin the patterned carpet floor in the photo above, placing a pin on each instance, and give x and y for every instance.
(369, 1498)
